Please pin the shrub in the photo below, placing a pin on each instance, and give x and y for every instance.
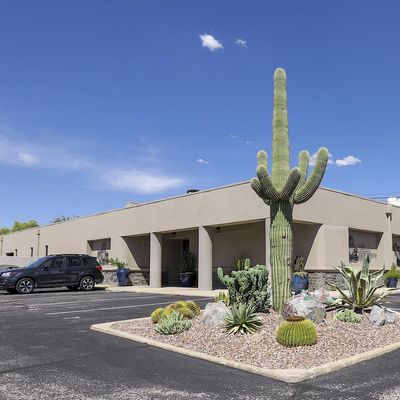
(173, 324)
(298, 268)
(156, 315)
(242, 319)
(221, 296)
(348, 316)
(362, 286)
(248, 286)
(194, 307)
(393, 273)
(297, 331)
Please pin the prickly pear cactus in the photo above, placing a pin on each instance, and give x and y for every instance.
(283, 189)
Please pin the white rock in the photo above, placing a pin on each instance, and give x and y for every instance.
(215, 313)
(377, 316)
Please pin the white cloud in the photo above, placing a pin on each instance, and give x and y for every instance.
(241, 42)
(394, 200)
(248, 142)
(110, 174)
(232, 136)
(202, 161)
(210, 42)
(313, 159)
(346, 161)
(137, 181)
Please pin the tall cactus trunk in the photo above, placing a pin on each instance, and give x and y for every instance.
(281, 248)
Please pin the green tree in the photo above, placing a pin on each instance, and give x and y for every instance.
(19, 226)
(63, 218)
(4, 230)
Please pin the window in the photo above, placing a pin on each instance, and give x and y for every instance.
(16, 252)
(10, 254)
(31, 251)
(73, 262)
(55, 263)
(46, 248)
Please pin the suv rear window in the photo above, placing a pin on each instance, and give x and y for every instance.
(90, 262)
(73, 262)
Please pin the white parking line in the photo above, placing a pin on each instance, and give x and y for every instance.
(86, 301)
(114, 308)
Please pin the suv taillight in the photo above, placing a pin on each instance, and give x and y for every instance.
(99, 267)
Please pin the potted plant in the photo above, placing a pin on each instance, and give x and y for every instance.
(187, 275)
(299, 276)
(122, 271)
(392, 276)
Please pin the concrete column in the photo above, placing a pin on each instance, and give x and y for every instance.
(155, 259)
(205, 259)
(388, 257)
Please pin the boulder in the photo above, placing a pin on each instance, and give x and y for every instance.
(381, 315)
(305, 305)
(215, 313)
(323, 296)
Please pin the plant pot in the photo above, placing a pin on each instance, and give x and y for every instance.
(187, 279)
(391, 282)
(122, 276)
(299, 283)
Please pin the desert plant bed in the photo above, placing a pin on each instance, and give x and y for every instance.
(336, 340)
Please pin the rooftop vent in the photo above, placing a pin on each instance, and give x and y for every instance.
(192, 191)
(130, 204)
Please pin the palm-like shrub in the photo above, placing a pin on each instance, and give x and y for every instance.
(156, 315)
(242, 319)
(362, 286)
(173, 324)
(347, 315)
(297, 331)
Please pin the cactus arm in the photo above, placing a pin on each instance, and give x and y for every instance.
(262, 158)
(280, 137)
(256, 185)
(291, 184)
(266, 183)
(313, 181)
(304, 161)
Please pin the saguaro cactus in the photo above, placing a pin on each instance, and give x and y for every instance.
(283, 189)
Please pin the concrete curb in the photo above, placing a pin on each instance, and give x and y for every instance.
(290, 375)
(176, 291)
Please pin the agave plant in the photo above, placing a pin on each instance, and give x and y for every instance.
(362, 286)
(242, 319)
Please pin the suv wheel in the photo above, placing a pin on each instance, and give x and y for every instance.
(87, 283)
(25, 286)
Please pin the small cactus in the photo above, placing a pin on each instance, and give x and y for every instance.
(186, 312)
(156, 315)
(180, 304)
(297, 331)
(194, 307)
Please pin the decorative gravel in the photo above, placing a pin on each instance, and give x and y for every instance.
(336, 340)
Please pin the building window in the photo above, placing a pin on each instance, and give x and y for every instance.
(10, 254)
(46, 250)
(31, 251)
(16, 252)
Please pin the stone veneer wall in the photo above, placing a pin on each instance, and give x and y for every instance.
(137, 278)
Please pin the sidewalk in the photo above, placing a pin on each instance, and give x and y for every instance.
(180, 291)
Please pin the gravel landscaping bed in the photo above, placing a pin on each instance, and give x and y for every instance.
(336, 340)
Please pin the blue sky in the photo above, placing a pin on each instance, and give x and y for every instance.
(102, 102)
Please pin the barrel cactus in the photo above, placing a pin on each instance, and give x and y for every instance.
(156, 315)
(282, 189)
(297, 331)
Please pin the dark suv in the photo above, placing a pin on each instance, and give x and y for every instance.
(75, 271)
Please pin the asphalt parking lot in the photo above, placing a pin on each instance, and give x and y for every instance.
(47, 351)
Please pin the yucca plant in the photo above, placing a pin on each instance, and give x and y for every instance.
(242, 319)
(173, 324)
(362, 286)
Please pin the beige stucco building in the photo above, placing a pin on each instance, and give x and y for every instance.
(219, 226)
